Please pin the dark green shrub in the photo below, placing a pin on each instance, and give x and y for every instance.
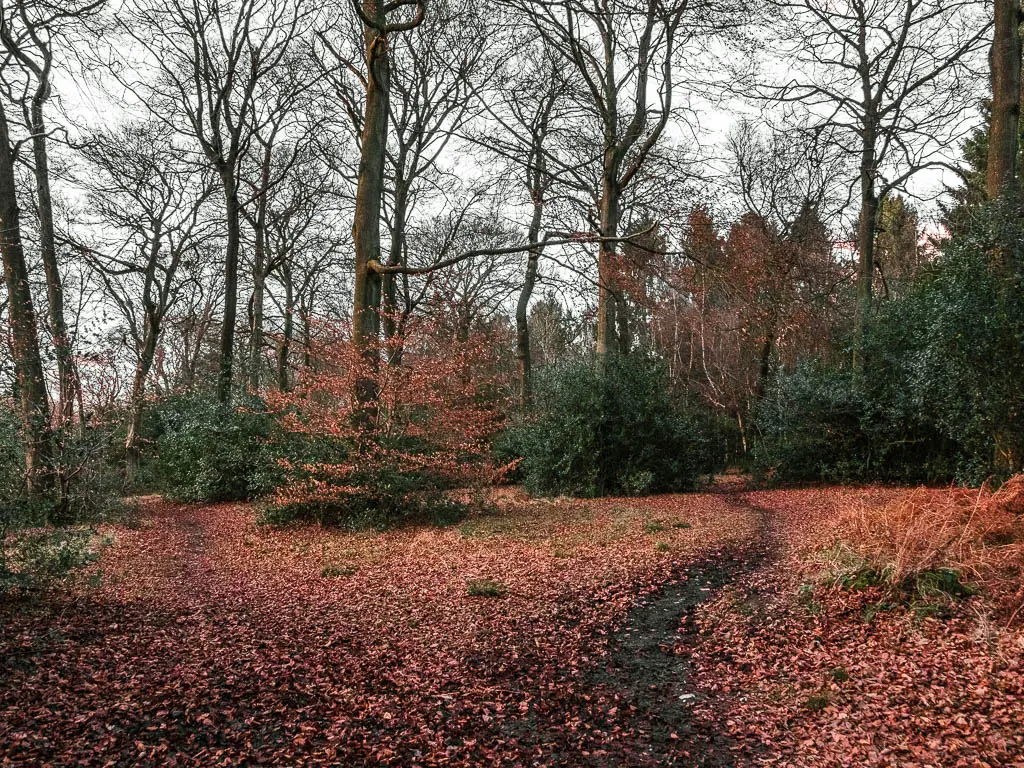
(87, 469)
(937, 396)
(373, 508)
(209, 452)
(809, 427)
(85, 483)
(610, 427)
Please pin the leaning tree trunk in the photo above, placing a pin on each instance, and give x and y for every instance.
(366, 222)
(69, 387)
(35, 410)
(1005, 58)
(233, 218)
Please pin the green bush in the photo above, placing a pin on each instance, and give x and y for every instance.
(937, 396)
(611, 427)
(86, 485)
(831, 424)
(209, 452)
(373, 509)
(38, 557)
(87, 466)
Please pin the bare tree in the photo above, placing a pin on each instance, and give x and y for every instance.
(778, 171)
(624, 52)
(890, 82)
(471, 294)
(282, 130)
(527, 112)
(28, 32)
(379, 22)
(305, 246)
(210, 59)
(150, 205)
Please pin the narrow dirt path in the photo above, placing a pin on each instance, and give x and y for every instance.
(650, 663)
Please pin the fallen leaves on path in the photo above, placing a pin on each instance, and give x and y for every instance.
(798, 674)
(509, 640)
(213, 642)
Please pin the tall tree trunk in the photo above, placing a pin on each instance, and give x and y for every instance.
(256, 323)
(625, 334)
(389, 309)
(1001, 176)
(69, 387)
(259, 272)
(1005, 60)
(366, 222)
(150, 336)
(867, 226)
(307, 334)
(523, 307)
(142, 368)
(227, 332)
(606, 271)
(284, 346)
(764, 369)
(35, 410)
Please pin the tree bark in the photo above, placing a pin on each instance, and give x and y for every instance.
(35, 410)
(1005, 60)
(366, 222)
(142, 368)
(867, 226)
(523, 307)
(764, 369)
(284, 346)
(607, 339)
(390, 281)
(69, 387)
(144, 364)
(307, 334)
(259, 272)
(227, 332)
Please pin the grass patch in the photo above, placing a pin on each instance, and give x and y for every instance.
(334, 571)
(654, 526)
(485, 588)
(367, 511)
(839, 675)
(818, 702)
(662, 546)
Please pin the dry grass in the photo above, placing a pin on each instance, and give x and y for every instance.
(977, 533)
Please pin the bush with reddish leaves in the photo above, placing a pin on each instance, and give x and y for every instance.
(439, 401)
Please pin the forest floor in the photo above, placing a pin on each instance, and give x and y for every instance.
(672, 630)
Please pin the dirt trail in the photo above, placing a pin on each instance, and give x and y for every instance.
(649, 663)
